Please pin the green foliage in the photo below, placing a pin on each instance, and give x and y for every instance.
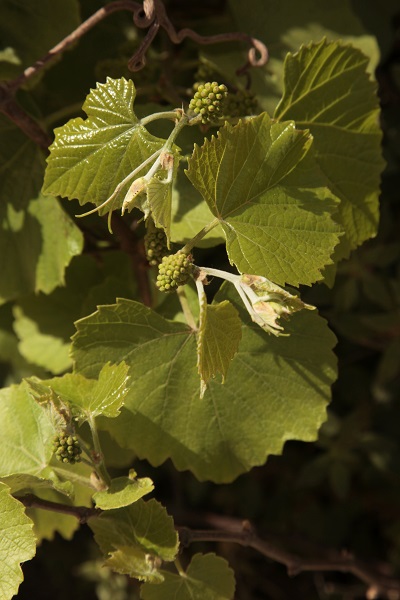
(208, 577)
(268, 185)
(133, 538)
(90, 157)
(17, 542)
(328, 91)
(275, 214)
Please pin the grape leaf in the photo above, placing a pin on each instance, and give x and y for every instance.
(89, 397)
(328, 91)
(26, 433)
(276, 389)
(122, 492)
(36, 244)
(90, 157)
(129, 535)
(190, 213)
(132, 561)
(284, 31)
(17, 542)
(218, 338)
(208, 577)
(274, 226)
(159, 196)
(44, 336)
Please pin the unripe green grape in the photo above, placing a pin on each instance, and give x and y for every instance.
(173, 271)
(155, 243)
(241, 104)
(209, 101)
(67, 448)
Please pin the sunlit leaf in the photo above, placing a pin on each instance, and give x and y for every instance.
(275, 216)
(17, 542)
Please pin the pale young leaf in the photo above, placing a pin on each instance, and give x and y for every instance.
(218, 339)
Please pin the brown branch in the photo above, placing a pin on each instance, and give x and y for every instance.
(324, 559)
(134, 248)
(82, 513)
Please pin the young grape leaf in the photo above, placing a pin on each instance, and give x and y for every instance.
(274, 226)
(208, 577)
(159, 197)
(136, 535)
(90, 157)
(329, 92)
(26, 435)
(88, 397)
(218, 338)
(122, 492)
(17, 542)
(36, 244)
(276, 388)
(133, 561)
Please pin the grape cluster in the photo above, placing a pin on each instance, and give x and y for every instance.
(174, 270)
(209, 100)
(155, 243)
(67, 448)
(241, 104)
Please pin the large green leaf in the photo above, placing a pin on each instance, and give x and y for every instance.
(276, 388)
(208, 577)
(26, 433)
(90, 157)
(328, 91)
(36, 244)
(32, 27)
(17, 542)
(134, 537)
(275, 216)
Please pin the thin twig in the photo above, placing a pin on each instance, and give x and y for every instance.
(93, 20)
(155, 13)
(31, 128)
(82, 513)
(8, 104)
